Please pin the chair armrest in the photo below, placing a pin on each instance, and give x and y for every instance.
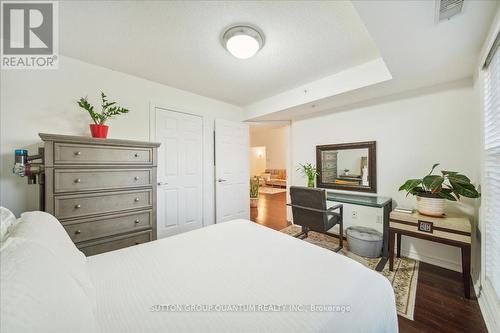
(334, 207)
(308, 208)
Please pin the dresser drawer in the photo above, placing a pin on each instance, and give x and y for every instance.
(115, 243)
(87, 229)
(68, 206)
(73, 180)
(67, 153)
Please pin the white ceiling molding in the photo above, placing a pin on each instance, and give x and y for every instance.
(360, 76)
(418, 52)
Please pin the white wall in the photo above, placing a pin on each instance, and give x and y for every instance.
(276, 142)
(257, 160)
(413, 131)
(45, 101)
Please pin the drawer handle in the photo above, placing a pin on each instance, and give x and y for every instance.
(136, 178)
(136, 199)
(137, 243)
(78, 206)
(78, 153)
(78, 232)
(136, 155)
(137, 221)
(78, 180)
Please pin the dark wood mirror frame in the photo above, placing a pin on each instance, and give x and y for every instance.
(372, 166)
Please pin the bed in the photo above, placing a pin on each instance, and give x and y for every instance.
(232, 277)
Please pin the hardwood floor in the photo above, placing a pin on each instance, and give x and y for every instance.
(271, 211)
(439, 305)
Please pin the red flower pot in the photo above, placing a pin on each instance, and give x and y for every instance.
(99, 131)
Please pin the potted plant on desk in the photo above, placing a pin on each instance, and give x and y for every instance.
(309, 171)
(432, 190)
(109, 109)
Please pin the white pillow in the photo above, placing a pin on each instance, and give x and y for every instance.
(45, 230)
(38, 294)
(7, 221)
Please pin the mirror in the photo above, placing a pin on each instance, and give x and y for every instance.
(347, 166)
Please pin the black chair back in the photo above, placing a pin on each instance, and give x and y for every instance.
(315, 218)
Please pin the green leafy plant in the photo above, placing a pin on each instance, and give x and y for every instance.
(309, 171)
(449, 185)
(109, 109)
(254, 187)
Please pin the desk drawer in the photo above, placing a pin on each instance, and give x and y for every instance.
(68, 153)
(115, 243)
(69, 206)
(88, 229)
(73, 180)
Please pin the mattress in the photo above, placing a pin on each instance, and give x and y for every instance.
(238, 276)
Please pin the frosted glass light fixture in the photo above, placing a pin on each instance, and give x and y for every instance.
(242, 41)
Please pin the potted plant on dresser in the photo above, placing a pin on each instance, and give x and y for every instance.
(254, 192)
(432, 190)
(108, 110)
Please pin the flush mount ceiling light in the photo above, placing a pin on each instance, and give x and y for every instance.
(242, 41)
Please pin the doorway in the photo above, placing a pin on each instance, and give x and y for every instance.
(269, 171)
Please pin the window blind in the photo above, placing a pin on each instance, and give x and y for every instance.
(491, 188)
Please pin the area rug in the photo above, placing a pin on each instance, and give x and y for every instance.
(271, 190)
(403, 279)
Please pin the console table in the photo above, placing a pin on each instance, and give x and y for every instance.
(451, 230)
(370, 201)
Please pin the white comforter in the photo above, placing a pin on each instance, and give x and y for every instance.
(237, 263)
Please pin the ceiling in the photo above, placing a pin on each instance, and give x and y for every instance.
(177, 43)
(315, 58)
(418, 52)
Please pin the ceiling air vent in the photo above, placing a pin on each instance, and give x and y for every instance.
(446, 9)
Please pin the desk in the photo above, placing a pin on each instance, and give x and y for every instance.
(369, 201)
(451, 230)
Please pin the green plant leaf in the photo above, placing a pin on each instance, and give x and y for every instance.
(446, 194)
(465, 189)
(458, 178)
(410, 184)
(433, 182)
(416, 190)
(446, 172)
(433, 167)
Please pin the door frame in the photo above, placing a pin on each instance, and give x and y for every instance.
(289, 159)
(152, 137)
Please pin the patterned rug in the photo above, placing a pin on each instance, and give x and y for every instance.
(403, 279)
(271, 190)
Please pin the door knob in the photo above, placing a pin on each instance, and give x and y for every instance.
(161, 183)
(220, 180)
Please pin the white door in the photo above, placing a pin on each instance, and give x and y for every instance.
(180, 157)
(231, 171)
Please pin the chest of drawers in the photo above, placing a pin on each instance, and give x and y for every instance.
(103, 191)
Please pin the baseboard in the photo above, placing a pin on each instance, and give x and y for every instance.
(451, 265)
(489, 308)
